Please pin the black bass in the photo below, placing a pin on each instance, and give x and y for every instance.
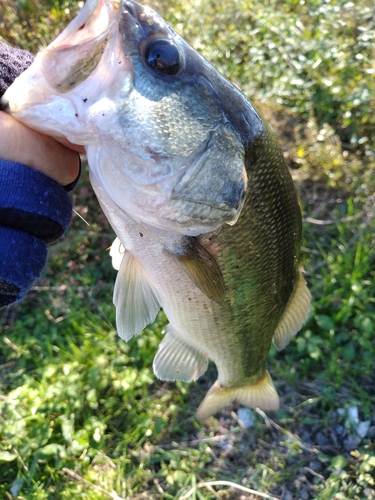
(195, 187)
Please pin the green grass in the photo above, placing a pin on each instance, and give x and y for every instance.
(81, 414)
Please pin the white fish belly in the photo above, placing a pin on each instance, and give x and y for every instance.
(195, 319)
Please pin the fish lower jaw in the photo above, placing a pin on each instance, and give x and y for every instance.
(45, 113)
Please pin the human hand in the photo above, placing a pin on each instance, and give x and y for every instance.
(21, 144)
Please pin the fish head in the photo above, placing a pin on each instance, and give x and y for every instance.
(45, 96)
(159, 124)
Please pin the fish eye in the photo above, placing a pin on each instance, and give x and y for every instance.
(162, 56)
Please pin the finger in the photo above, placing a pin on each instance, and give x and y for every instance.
(23, 145)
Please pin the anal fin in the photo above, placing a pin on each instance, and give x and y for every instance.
(295, 314)
(136, 301)
(262, 394)
(176, 360)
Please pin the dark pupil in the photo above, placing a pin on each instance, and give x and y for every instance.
(163, 56)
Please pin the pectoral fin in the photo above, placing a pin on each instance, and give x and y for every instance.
(136, 301)
(261, 394)
(201, 268)
(175, 360)
(117, 252)
(295, 314)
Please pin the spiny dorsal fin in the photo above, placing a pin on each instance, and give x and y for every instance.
(175, 360)
(201, 268)
(136, 302)
(261, 394)
(295, 314)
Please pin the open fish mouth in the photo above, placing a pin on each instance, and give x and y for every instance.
(69, 60)
(74, 55)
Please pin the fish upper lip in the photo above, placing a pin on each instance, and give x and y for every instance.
(130, 7)
(136, 10)
(141, 16)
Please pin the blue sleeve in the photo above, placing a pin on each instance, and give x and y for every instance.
(34, 211)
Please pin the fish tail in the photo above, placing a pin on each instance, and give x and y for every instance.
(262, 394)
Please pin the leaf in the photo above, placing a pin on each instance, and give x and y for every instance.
(160, 424)
(67, 428)
(80, 441)
(50, 450)
(325, 322)
(6, 456)
(368, 325)
(179, 477)
(349, 352)
(339, 462)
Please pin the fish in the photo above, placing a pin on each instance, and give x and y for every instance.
(195, 186)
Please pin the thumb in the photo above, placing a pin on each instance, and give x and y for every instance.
(21, 144)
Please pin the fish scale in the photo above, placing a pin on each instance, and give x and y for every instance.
(207, 217)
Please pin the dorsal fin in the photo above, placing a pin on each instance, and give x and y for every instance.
(136, 301)
(295, 314)
(201, 268)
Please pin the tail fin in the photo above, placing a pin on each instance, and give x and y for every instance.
(262, 394)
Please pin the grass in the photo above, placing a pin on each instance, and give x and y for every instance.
(81, 414)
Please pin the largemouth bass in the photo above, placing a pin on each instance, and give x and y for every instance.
(195, 187)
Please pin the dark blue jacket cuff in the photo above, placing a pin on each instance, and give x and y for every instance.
(32, 202)
(34, 210)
